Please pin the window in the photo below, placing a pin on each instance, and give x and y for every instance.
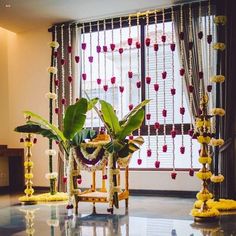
(113, 94)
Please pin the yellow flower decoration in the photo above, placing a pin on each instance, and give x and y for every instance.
(29, 191)
(217, 178)
(209, 213)
(199, 123)
(28, 144)
(202, 139)
(216, 142)
(220, 20)
(29, 175)
(205, 160)
(219, 46)
(54, 44)
(204, 196)
(204, 175)
(218, 112)
(28, 164)
(52, 70)
(218, 79)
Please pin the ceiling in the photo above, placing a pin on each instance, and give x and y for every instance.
(24, 15)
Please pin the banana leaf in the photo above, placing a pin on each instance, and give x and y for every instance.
(82, 135)
(92, 103)
(75, 118)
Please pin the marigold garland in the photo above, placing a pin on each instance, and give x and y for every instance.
(204, 196)
(218, 112)
(205, 160)
(220, 20)
(28, 164)
(202, 139)
(54, 44)
(217, 178)
(28, 144)
(218, 79)
(209, 213)
(216, 142)
(219, 46)
(29, 176)
(29, 191)
(221, 205)
(52, 70)
(204, 175)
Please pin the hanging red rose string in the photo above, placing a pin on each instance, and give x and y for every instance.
(130, 73)
(98, 48)
(63, 99)
(76, 58)
(156, 88)
(105, 86)
(200, 36)
(148, 82)
(173, 92)
(83, 47)
(113, 78)
(70, 78)
(190, 132)
(182, 72)
(90, 58)
(164, 75)
(138, 83)
(121, 88)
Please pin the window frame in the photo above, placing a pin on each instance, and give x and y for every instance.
(142, 23)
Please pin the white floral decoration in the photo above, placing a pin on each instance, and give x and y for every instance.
(50, 95)
(52, 69)
(54, 44)
(53, 222)
(51, 152)
(52, 175)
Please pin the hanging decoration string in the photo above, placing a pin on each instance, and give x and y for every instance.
(121, 70)
(130, 73)
(105, 87)
(138, 83)
(70, 65)
(182, 72)
(191, 89)
(99, 65)
(148, 81)
(156, 88)
(91, 69)
(173, 91)
(113, 78)
(83, 46)
(56, 80)
(164, 75)
(63, 100)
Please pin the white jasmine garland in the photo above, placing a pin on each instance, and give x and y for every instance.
(54, 44)
(52, 175)
(52, 70)
(50, 95)
(54, 223)
(51, 152)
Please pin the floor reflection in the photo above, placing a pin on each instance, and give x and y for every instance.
(52, 220)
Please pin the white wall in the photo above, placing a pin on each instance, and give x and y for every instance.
(28, 58)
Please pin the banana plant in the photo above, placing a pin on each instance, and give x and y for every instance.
(73, 132)
(119, 146)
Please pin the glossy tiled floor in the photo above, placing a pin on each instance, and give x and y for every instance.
(151, 216)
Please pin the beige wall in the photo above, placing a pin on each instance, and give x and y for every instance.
(28, 57)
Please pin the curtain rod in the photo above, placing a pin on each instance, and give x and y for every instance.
(132, 15)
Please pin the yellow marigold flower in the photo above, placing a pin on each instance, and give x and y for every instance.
(209, 213)
(28, 164)
(29, 191)
(54, 44)
(29, 175)
(204, 175)
(205, 160)
(199, 123)
(217, 178)
(207, 123)
(220, 20)
(218, 112)
(52, 70)
(28, 144)
(30, 231)
(216, 142)
(204, 196)
(218, 79)
(219, 46)
(202, 139)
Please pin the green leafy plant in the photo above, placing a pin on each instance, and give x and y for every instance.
(73, 132)
(119, 146)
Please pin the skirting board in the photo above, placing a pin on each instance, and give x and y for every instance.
(142, 192)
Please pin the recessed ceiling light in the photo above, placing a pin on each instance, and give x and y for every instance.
(7, 5)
